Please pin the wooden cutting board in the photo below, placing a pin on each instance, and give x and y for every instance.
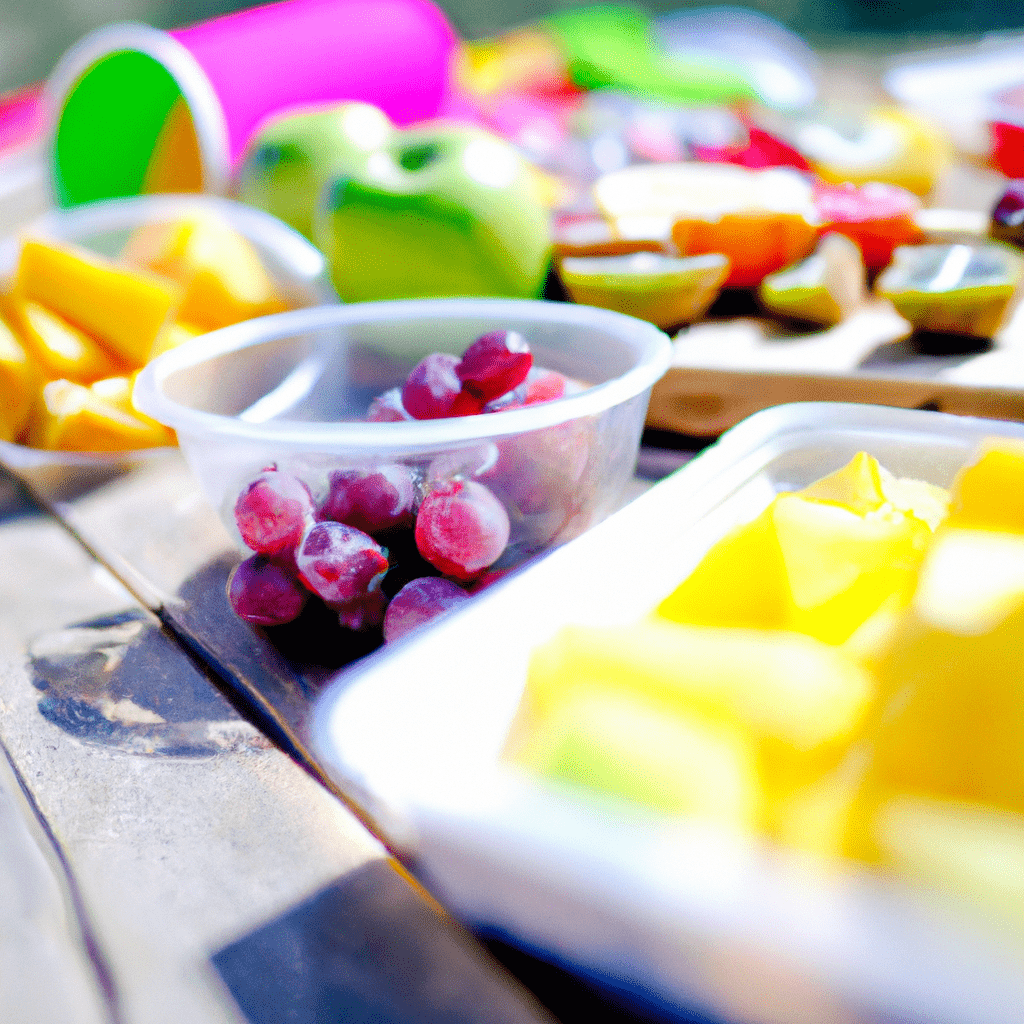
(730, 366)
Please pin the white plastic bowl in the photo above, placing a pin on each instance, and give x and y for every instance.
(297, 268)
(292, 389)
(668, 912)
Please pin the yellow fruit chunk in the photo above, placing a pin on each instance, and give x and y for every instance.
(815, 817)
(989, 493)
(19, 379)
(966, 850)
(122, 309)
(223, 278)
(619, 744)
(58, 348)
(949, 720)
(857, 486)
(741, 582)
(172, 336)
(896, 147)
(797, 699)
(75, 418)
(842, 566)
(819, 562)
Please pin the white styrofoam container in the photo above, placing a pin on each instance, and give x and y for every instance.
(669, 912)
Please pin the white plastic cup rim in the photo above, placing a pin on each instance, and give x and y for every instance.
(653, 348)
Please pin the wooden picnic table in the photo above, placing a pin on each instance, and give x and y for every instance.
(170, 850)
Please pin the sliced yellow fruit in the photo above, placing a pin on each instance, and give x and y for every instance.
(949, 721)
(820, 562)
(76, 418)
(989, 494)
(223, 277)
(842, 566)
(622, 745)
(122, 309)
(19, 381)
(857, 486)
(59, 348)
(741, 581)
(797, 699)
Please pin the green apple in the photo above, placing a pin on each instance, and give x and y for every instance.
(293, 156)
(439, 209)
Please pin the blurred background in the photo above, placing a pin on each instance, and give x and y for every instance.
(34, 33)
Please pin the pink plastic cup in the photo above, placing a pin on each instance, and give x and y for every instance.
(132, 109)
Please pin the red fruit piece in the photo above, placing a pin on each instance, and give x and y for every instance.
(878, 217)
(419, 601)
(371, 500)
(273, 511)
(434, 391)
(762, 149)
(365, 612)
(338, 562)
(494, 364)
(387, 408)
(461, 528)
(264, 593)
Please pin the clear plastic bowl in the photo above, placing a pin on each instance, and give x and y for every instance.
(297, 267)
(291, 390)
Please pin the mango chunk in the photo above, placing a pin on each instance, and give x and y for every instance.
(58, 348)
(797, 699)
(75, 418)
(123, 310)
(949, 718)
(989, 493)
(619, 744)
(820, 562)
(19, 379)
(857, 487)
(720, 592)
(223, 278)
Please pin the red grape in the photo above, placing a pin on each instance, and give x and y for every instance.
(433, 390)
(338, 562)
(494, 364)
(371, 500)
(418, 602)
(272, 512)
(364, 612)
(461, 528)
(1008, 215)
(264, 593)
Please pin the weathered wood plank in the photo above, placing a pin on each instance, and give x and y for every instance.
(175, 852)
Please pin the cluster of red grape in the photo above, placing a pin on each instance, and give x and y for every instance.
(350, 546)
